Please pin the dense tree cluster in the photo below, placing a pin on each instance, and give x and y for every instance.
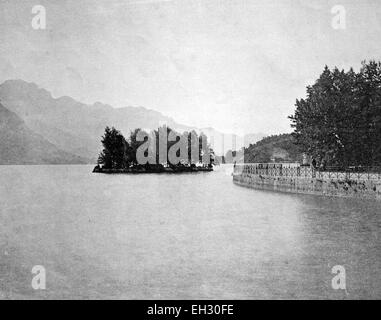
(339, 122)
(120, 153)
(278, 148)
(116, 149)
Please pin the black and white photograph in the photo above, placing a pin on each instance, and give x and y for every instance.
(190, 150)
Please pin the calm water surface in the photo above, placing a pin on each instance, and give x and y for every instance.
(191, 236)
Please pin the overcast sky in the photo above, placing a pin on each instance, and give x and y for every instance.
(236, 65)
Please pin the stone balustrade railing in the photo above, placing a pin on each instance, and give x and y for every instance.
(297, 170)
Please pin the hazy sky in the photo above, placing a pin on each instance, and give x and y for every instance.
(236, 65)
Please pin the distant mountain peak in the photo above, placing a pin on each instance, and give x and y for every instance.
(23, 85)
(20, 145)
(66, 99)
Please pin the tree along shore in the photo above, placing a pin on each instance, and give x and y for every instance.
(337, 124)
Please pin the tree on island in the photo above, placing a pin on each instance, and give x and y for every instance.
(135, 144)
(115, 150)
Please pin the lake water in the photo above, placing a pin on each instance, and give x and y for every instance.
(190, 236)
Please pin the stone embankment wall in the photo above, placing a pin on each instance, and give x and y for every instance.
(307, 181)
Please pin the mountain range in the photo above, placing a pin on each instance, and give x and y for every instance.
(37, 128)
(20, 145)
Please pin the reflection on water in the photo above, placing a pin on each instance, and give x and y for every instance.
(178, 237)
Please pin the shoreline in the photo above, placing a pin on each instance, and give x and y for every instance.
(294, 178)
(150, 171)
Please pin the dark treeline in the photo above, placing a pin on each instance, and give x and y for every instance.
(339, 122)
(278, 148)
(121, 153)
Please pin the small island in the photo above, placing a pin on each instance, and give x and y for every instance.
(159, 151)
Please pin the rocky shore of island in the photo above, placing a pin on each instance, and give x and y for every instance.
(155, 169)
